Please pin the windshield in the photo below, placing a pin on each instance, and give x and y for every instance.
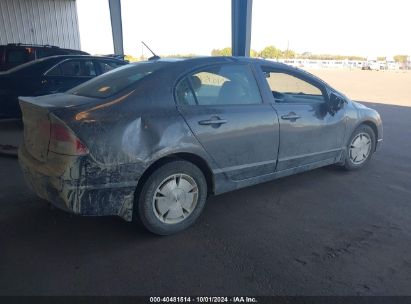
(116, 80)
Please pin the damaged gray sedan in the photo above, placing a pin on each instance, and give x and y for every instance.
(153, 140)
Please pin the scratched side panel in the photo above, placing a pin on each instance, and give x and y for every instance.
(125, 135)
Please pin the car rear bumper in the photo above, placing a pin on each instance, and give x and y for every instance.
(70, 189)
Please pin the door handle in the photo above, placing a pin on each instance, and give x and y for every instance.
(290, 116)
(212, 122)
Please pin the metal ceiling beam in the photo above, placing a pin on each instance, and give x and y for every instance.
(241, 11)
(116, 26)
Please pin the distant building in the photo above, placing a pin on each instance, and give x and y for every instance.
(370, 63)
(52, 22)
(323, 63)
(407, 64)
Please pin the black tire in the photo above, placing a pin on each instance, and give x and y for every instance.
(145, 202)
(349, 164)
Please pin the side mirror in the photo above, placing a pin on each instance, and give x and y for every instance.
(336, 103)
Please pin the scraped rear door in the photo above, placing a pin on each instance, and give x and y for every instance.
(223, 107)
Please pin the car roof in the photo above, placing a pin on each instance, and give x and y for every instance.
(38, 46)
(32, 65)
(80, 56)
(31, 45)
(200, 60)
(211, 59)
(204, 60)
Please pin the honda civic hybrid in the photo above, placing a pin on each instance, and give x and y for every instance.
(152, 140)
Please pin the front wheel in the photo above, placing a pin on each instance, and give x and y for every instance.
(360, 148)
(172, 198)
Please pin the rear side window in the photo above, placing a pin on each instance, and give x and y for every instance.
(74, 68)
(56, 71)
(117, 80)
(71, 68)
(227, 84)
(107, 66)
(88, 68)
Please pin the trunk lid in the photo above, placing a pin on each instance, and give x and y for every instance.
(38, 114)
(36, 128)
(59, 100)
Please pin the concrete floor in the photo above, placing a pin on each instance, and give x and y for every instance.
(11, 135)
(324, 232)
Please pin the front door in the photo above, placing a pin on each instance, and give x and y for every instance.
(309, 133)
(223, 107)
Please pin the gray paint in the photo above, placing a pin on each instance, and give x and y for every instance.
(129, 132)
(52, 22)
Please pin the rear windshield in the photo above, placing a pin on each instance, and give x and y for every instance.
(116, 80)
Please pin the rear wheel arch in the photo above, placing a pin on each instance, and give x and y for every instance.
(190, 157)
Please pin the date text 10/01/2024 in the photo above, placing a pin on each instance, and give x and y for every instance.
(203, 300)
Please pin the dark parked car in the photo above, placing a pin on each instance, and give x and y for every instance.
(14, 54)
(49, 75)
(152, 140)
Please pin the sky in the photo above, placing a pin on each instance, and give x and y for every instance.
(350, 27)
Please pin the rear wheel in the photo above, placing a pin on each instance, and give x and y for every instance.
(172, 198)
(360, 148)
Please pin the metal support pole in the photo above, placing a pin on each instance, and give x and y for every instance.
(116, 26)
(241, 11)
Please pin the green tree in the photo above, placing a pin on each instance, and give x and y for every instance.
(190, 55)
(221, 52)
(271, 52)
(227, 52)
(253, 53)
(130, 58)
(356, 58)
(288, 54)
(400, 58)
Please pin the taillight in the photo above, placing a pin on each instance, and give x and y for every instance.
(63, 140)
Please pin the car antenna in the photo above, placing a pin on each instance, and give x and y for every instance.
(154, 57)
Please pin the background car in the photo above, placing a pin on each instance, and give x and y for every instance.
(14, 54)
(153, 140)
(47, 76)
(116, 56)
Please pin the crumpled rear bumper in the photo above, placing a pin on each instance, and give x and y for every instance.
(71, 189)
